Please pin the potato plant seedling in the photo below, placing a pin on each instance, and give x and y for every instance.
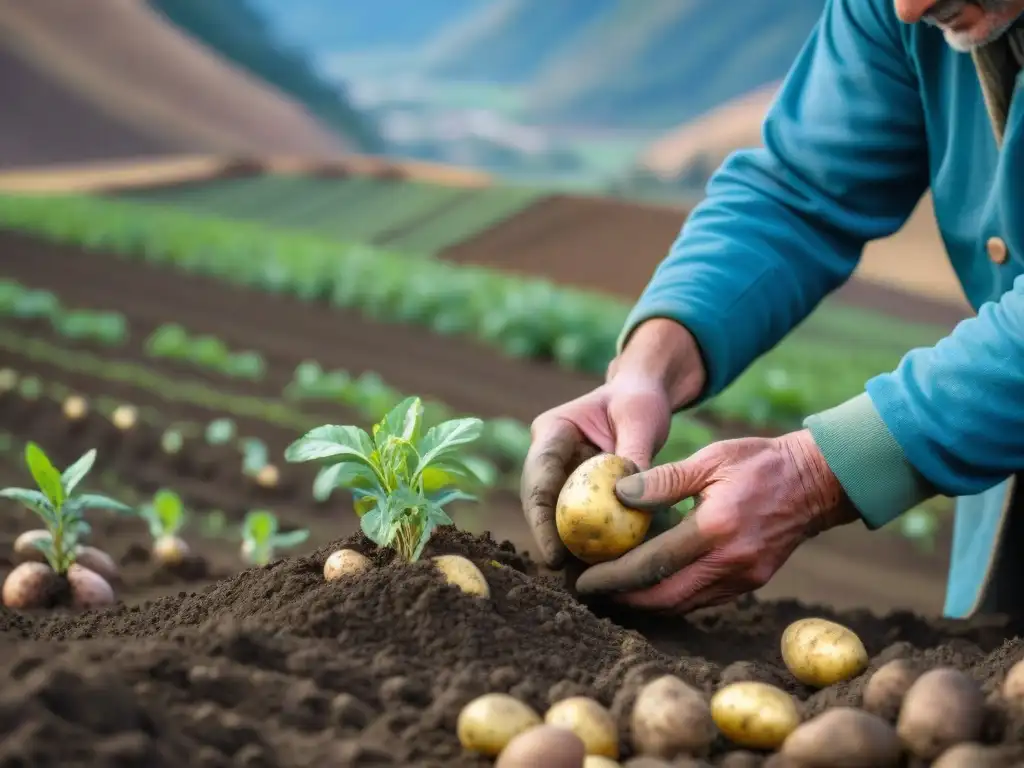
(400, 476)
(57, 504)
(166, 516)
(260, 537)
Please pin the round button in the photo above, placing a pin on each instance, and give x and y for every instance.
(996, 248)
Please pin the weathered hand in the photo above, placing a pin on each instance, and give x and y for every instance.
(757, 500)
(629, 416)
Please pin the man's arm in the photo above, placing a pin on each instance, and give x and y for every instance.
(949, 419)
(844, 161)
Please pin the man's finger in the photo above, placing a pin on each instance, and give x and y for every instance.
(545, 470)
(641, 426)
(648, 564)
(667, 484)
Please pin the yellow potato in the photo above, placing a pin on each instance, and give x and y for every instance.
(170, 550)
(25, 548)
(755, 715)
(489, 722)
(597, 761)
(30, 585)
(543, 745)
(844, 736)
(125, 417)
(345, 562)
(594, 525)
(671, 718)
(463, 574)
(943, 707)
(821, 653)
(88, 588)
(75, 408)
(590, 721)
(268, 476)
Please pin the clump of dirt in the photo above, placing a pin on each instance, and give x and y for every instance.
(276, 667)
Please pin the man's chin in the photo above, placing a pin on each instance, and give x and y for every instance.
(965, 41)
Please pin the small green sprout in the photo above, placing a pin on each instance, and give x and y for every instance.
(400, 477)
(166, 516)
(260, 537)
(58, 506)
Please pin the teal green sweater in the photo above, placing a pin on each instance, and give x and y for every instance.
(872, 113)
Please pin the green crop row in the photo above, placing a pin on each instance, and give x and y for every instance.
(22, 303)
(172, 342)
(524, 317)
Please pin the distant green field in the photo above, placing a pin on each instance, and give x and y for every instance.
(408, 216)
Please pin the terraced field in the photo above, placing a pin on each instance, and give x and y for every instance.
(229, 339)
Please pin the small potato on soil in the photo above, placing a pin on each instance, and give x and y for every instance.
(590, 721)
(972, 755)
(844, 737)
(671, 718)
(30, 585)
(885, 689)
(268, 476)
(75, 408)
(463, 574)
(345, 562)
(821, 653)
(125, 417)
(1012, 689)
(597, 761)
(170, 551)
(97, 561)
(489, 722)
(943, 707)
(88, 588)
(755, 715)
(25, 545)
(543, 745)
(592, 523)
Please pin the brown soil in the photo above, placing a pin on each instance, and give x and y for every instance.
(274, 667)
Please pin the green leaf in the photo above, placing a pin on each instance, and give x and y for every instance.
(74, 474)
(45, 474)
(290, 539)
(89, 501)
(342, 474)
(374, 527)
(34, 500)
(170, 512)
(220, 431)
(441, 440)
(260, 526)
(332, 442)
(441, 498)
(403, 421)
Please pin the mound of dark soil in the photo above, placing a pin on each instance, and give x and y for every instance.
(275, 667)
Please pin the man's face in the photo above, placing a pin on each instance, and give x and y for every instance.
(966, 24)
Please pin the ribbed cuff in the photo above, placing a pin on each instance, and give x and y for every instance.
(867, 461)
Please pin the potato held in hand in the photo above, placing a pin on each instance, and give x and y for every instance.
(821, 653)
(593, 524)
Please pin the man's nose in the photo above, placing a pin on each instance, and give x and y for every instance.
(911, 11)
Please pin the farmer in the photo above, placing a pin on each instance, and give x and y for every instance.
(887, 98)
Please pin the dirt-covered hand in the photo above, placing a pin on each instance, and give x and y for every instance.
(628, 416)
(757, 500)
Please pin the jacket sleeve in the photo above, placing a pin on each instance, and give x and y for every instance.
(949, 419)
(844, 161)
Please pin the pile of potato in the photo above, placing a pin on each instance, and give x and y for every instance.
(934, 716)
(457, 570)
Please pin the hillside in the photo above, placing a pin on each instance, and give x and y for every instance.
(332, 26)
(510, 40)
(238, 32)
(620, 63)
(112, 79)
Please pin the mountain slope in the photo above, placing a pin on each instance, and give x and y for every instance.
(110, 78)
(510, 40)
(238, 32)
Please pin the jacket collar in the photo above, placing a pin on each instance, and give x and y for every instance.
(997, 67)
